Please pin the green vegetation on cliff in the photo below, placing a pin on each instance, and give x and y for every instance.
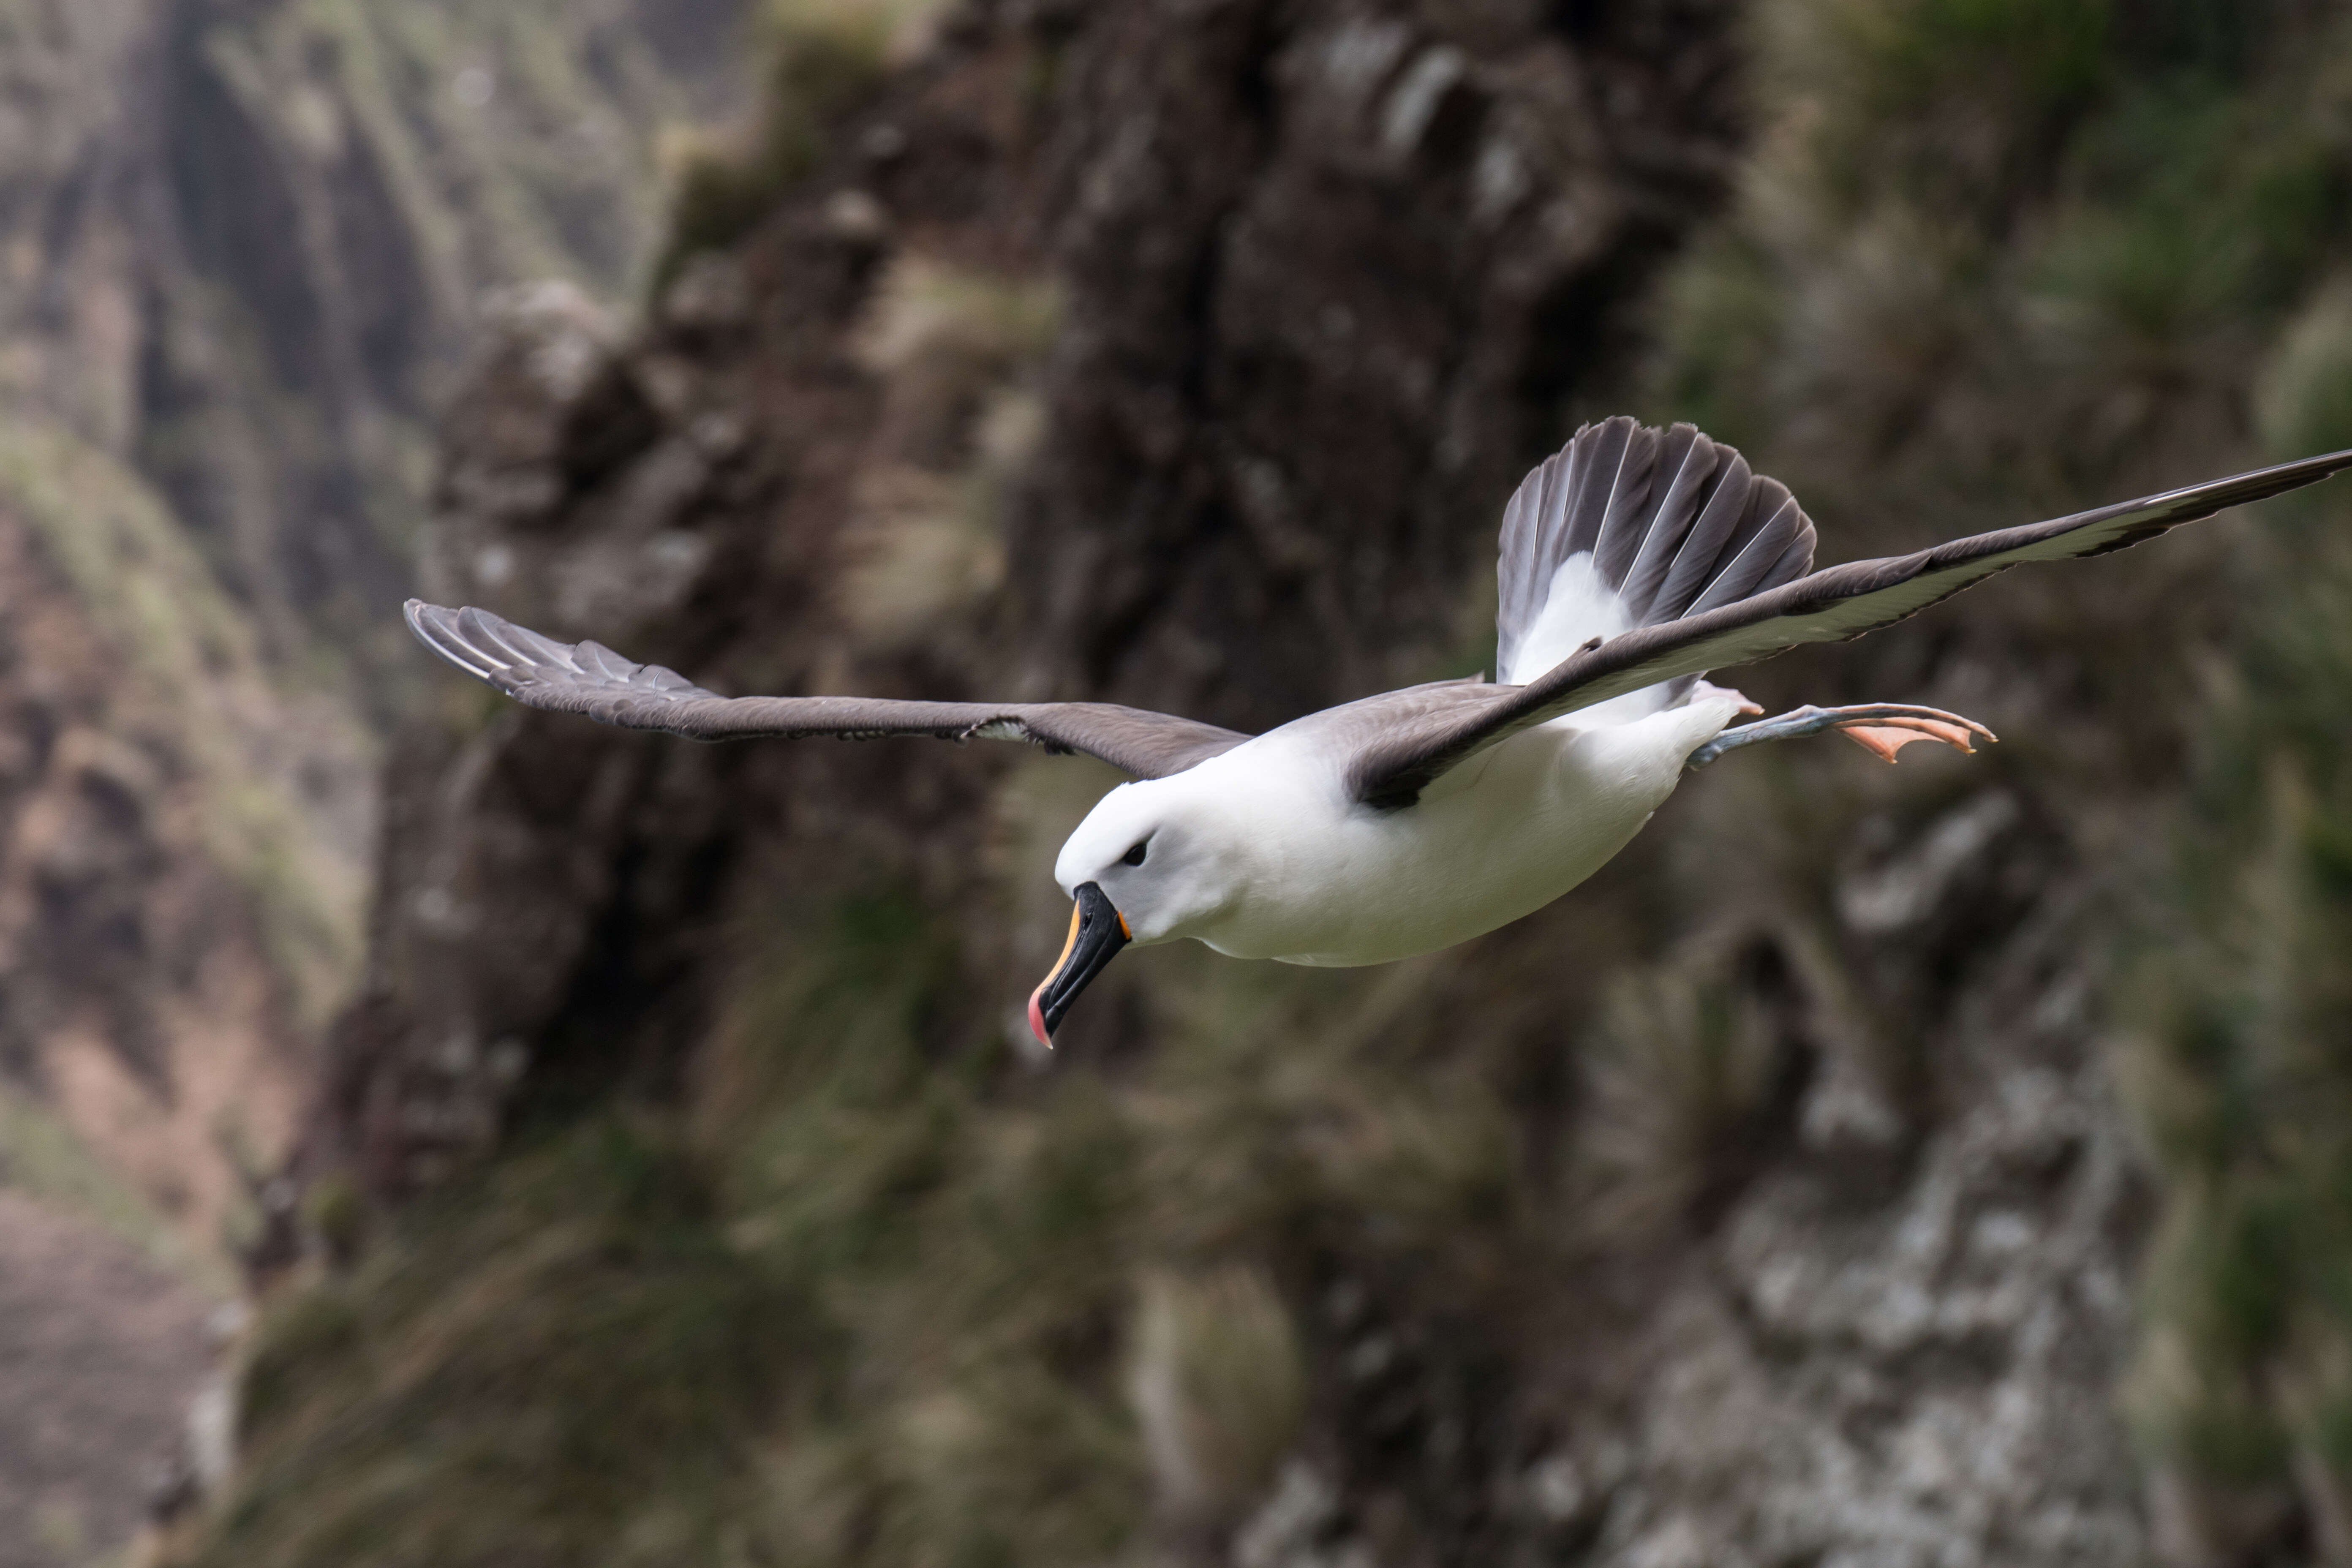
(2242, 1068)
(193, 679)
(2007, 259)
(887, 1302)
(822, 57)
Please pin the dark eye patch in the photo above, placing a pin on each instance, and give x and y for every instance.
(1134, 856)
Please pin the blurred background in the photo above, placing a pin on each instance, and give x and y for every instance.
(436, 1134)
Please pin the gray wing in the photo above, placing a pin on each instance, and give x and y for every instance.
(593, 682)
(1676, 525)
(1834, 606)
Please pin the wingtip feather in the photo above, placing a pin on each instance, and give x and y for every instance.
(437, 627)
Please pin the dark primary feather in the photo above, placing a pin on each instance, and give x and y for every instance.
(593, 682)
(1833, 606)
(1675, 523)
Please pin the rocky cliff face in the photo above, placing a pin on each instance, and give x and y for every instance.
(1173, 358)
(1764, 1202)
(245, 244)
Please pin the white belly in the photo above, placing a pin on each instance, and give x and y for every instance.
(1506, 835)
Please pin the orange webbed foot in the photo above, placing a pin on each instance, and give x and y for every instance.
(1881, 728)
(1883, 734)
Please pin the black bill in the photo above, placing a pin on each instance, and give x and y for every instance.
(1096, 933)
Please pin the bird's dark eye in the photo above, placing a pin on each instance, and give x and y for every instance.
(1134, 856)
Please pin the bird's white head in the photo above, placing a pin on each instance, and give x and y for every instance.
(1160, 851)
(1153, 861)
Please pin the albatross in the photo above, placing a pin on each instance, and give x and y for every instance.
(1633, 563)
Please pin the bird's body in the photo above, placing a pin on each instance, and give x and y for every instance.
(1631, 563)
(1322, 879)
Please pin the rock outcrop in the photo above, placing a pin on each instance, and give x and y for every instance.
(1192, 382)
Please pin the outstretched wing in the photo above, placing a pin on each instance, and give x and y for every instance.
(591, 679)
(1834, 606)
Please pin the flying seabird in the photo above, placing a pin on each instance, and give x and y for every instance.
(1633, 563)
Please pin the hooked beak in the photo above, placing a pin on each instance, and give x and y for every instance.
(1096, 933)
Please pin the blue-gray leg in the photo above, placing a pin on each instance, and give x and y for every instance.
(1880, 728)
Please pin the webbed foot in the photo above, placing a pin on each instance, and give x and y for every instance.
(1881, 728)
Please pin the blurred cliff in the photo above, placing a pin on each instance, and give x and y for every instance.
(242, 247)
(1930, 1165)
